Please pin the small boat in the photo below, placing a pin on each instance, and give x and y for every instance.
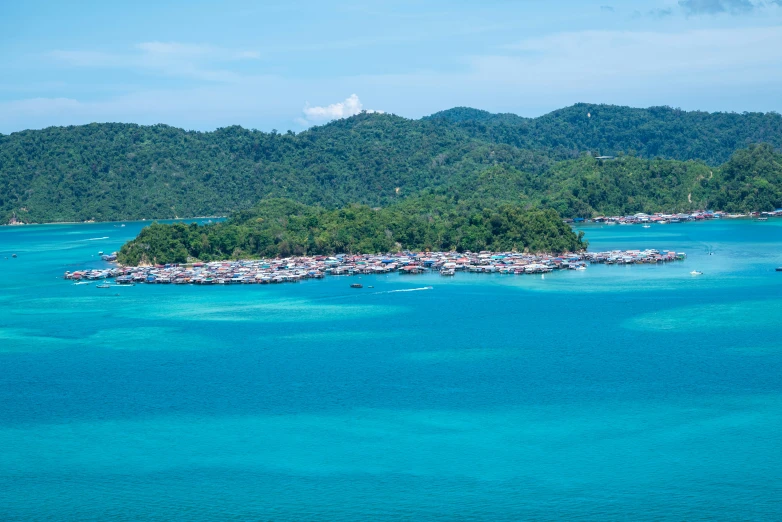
(83, 283)
(762, 219)
(696, 273)
(103, 285)
(647, 226)
(356, 285)
(13, 255)
(779, 269)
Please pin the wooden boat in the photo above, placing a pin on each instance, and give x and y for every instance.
(356, 285)
(103, 285)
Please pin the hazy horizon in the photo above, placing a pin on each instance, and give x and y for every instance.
(383, 112)
(199, 66)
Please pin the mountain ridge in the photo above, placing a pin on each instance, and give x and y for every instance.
(116, 171)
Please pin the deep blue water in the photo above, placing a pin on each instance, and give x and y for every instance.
(618, 393)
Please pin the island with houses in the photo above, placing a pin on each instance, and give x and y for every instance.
(298, 268)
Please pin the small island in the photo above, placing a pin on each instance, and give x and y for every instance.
(281, 241)
(282, 228)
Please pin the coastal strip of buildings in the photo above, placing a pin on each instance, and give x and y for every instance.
(664, 219)
(293, 269)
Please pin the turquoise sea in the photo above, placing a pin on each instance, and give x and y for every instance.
(616, 393)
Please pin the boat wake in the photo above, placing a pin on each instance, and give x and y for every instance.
(406, 290)
(95, 238)
(359, 295)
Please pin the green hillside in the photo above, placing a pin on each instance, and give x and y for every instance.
(661, 132)
(123, 171)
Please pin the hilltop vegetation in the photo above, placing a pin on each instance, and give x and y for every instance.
(281, 227)
(118, 171)
(656, 132)
(670, 160)
(752, 179)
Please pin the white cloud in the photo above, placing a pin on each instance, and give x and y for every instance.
(349, 107)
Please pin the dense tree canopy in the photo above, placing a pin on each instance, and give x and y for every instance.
(661, 132)
(670, 161)
(281, 227)
(751, 180)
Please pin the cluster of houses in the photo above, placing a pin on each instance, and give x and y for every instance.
(292, 269)
(663, 219)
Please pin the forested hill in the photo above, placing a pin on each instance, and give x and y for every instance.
(609, 129)
(281, 227)
(124, 171)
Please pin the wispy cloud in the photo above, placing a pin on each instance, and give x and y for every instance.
(736, 68)
(649, 52)
(661, 13)
(712, 7)
(607, 8)
(320, 114)
(166, 58)
(182, 50)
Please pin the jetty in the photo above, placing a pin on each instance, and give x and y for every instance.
(294, 269)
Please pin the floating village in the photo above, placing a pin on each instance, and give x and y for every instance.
(294, 269)
(447, 264)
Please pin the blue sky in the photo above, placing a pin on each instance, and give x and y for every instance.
(289, 65)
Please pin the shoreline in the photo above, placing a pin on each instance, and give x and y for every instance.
(571, 221)
(151, 220)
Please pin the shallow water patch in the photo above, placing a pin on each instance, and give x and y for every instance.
(455, 355)
(745, 315)
(146, 338)
(15, 340)
(278, 312)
